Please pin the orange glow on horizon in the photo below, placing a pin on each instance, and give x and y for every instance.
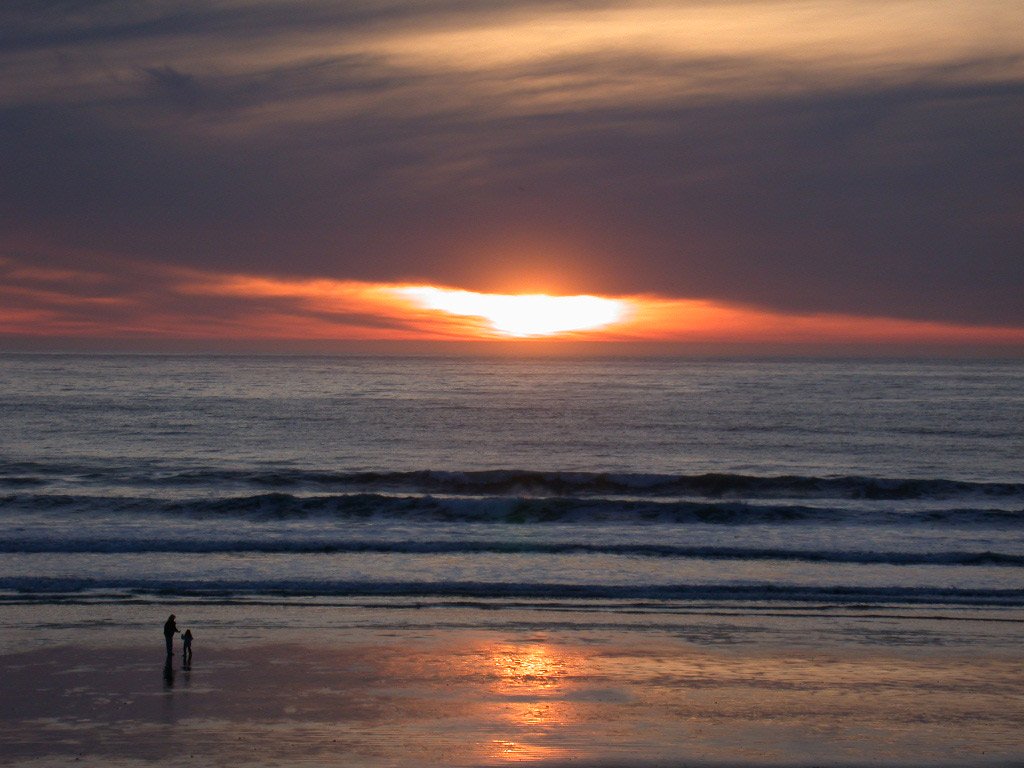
(439, 313)
(118, 303)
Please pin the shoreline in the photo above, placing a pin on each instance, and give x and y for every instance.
(296, 685)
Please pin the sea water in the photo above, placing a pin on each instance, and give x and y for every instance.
(611, 486)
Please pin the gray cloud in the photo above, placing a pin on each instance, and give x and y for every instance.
(898, 194)
(45, 24)
(179, 90)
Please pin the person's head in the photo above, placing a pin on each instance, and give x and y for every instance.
(171, 617)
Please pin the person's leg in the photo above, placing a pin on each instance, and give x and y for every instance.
(168, 638)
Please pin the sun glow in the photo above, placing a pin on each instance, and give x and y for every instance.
(256, 308)
(522, 316)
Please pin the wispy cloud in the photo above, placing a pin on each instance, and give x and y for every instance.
(860, 158)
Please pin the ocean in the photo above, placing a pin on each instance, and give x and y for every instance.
(611, 487)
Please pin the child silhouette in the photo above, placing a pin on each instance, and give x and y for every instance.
(186, 645)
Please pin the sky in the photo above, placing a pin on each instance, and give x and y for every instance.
(304, 175)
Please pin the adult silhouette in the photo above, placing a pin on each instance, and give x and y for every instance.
(170, 628)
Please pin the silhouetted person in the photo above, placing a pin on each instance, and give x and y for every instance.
(186, 647)
(170, 629)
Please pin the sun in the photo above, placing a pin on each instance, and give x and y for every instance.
(522, 315)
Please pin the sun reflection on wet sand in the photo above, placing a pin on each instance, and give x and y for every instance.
(533, 668)
(531, 682)
(377, 698)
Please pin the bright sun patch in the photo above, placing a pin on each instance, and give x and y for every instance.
(522, 316)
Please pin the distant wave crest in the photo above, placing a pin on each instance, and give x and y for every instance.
(516, 483)
(768, 594)
(503, 509)
(341, 546)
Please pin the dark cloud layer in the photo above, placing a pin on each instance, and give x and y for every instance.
(764, 181)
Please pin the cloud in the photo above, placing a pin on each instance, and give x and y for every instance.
(157, 307)
(179, 89)
(812, 172)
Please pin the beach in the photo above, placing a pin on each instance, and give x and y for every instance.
(448, 384)
(443, 685)
(462, 562)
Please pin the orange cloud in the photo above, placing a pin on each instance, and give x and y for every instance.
(154, 302)
(694, 320)
(437, 312)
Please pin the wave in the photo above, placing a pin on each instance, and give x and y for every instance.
(510, 482)
(50, 588)
(17, 481)
(709, 485)
(499, 509)
(335, 546)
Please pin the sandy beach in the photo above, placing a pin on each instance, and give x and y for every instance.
(360, 686)
(452, 562)
(606, 384)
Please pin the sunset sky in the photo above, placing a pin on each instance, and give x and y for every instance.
(421, 174)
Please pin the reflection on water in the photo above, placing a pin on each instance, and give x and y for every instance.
(534, 668)
(541, 714)
(532, 682)
(168, 674)
(521, 752)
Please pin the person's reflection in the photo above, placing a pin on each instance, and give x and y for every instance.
(168, 674)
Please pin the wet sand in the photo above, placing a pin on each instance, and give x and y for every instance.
(444, 691)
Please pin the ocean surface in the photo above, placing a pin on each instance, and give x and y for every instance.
(611, 486)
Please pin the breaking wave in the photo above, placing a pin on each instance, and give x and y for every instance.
(510, 482)
(769, 594)
(502, 509)
(341, 546)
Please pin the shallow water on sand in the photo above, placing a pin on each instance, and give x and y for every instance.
(367, 687)
(472, 562)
